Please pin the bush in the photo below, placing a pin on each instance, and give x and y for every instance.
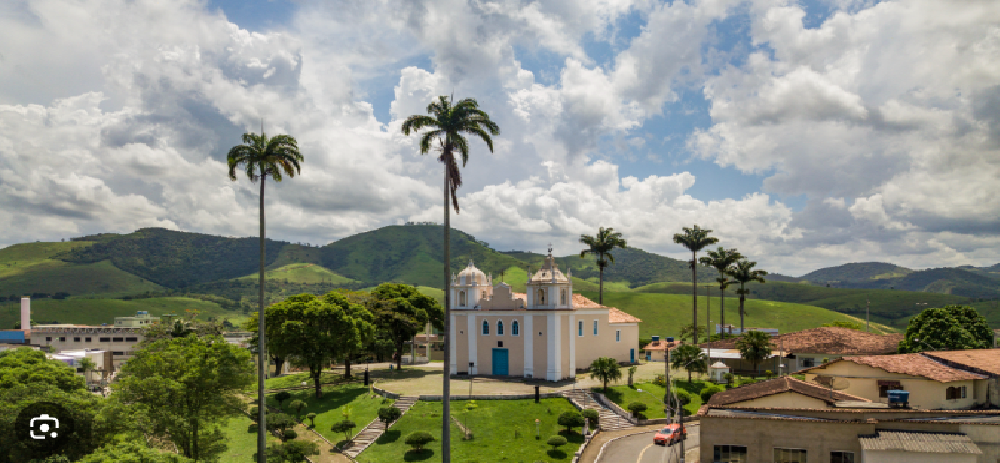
(592, 416)
(288, 435)
(556, 441)
(254, 414)
(282, 396)
(312, 419)
(389, 414)
(296, 451)
(730, 379)
(709, 391)
(417, 440)
(636, 408)
(297, 405)
(344, 426)
(659, 381)
(570, 420)
(683, 396)
(279, 421)
(252, 429)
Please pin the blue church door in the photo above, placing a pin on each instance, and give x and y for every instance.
(500, 362)
(631, 355)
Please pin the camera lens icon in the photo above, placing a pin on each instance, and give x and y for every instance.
(41, 425)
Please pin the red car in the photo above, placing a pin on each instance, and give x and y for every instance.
(670, 434)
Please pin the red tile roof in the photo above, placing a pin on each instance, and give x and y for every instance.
(829, 340)
(659, 345)
(907, 364)
(617, 316)
(985, 361)
(779, 386)
(581, 302)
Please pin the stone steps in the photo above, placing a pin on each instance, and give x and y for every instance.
(609, 420)
(374, 430)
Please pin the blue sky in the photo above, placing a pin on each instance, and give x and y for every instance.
(804, 133)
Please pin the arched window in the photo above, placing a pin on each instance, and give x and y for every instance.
(563, 298)
(461, 299)
(514, 329)
(486, 327)
(541, 297)
(499, 327)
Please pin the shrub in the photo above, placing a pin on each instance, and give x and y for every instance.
(683, 396)
(279, 421)
(730, 379)
(288, 435)
(417, 440)
(659, 381)
(709, 391)
(297, 405)
(556, 441)
(254, 414)
(389, 414)
(252, 429)
(592, 416)
(570, 420)
(296, 451)
(344, 426)
(282, 396)
(636, 408)
(312, 419)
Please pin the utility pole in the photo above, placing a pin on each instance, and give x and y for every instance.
(666, 376)
(708, 328)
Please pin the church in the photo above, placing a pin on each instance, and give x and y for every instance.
(547, 332)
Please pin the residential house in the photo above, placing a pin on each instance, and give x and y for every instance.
(656, 349)
(982, 361)
(783, 392)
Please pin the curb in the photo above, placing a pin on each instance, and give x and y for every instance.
(601, 452)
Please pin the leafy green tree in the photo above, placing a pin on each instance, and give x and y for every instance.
(556, 442)
(401, 311)
(280, 422)
(722, 260)
(688, 331)
(282, 396)
(744, 273)
(709, 391)
(592, 416)
(387, 415)
(754, 347)
(447, 126)
(296, 451)
(636, 408)
(87, 365)
(417, 440)
(277, 344)
(606, 369)
(319, 329)
(297, 405)
(132, 451)
(260, 157)
(952, 327)
(690, 358)
(358, 299)
(312, 419)
(25, 366)
(695, 239)
(186, 387)
(345, 426)
(601, 245)
(570, 420)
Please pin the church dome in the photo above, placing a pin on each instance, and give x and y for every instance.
(471, 275)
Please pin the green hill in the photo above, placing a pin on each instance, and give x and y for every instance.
(301, 273)
(632, 266)
(856, 272)
(665, 314)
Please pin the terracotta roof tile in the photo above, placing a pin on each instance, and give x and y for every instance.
(907, 364)
(829, 340)
(920, 442)
(580, 302)
(617, 316)
(778, 386)
(979, 360)
(659, 345)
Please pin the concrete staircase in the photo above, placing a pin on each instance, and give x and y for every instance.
(375, 429)
(609, 420)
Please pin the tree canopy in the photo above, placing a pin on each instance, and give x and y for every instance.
(754, 346)
(690, 358)
(606, 369)
(401, 312)
(25, 366)
(951, 327)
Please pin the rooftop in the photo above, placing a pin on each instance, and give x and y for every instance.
(920, 442)
(907, 364)
(981, 360)
(660, 345)
(829, 340)
(779, 386)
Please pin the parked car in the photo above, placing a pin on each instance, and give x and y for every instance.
(669, 434)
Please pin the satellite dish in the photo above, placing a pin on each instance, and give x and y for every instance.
(839, 384)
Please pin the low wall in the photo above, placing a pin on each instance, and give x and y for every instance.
(546, 395)
(608, 403)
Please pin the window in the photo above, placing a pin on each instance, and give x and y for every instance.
(730, 454)
(122, 340)
(88, 339)
(63, 339)
(76, 339)
(486, 327)
(618, 335)
(49, 339)
(579, 328)
(808, 362)
(499, 343)
(461, 299)
(541, 297)
(953, 393)
(595, 328)
(789, 455)
(562, 299)
(886, 385)
(841, 457)
(499, 328)
(137, 339)
(109, 339)
(514, 328)
(122, 353)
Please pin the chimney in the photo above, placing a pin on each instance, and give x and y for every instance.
(26, 314)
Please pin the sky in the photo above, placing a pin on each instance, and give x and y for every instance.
(805, 134)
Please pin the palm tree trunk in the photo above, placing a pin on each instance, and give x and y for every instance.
(694, 296)
(743, 297)
(261, 341)
(722, 311)
(600, 288)
(446, 389)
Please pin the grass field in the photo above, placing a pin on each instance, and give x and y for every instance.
(98, 310)
(300, 273)
(296, 379)
(240, 444)
(330, 408)
(665, 314)
(493, 424)
(99, 278)
(652, 396)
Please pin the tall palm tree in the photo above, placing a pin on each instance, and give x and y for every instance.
(695, 239)
(260, 157)
(607, 240)
(447, 124)
(744, 273)
(721, 260)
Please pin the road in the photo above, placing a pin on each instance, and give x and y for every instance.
(640, 449)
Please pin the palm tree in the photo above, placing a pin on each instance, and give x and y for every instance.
(744, 273)
(722, 260)
(695, 239)
(607, 240)
(448, 124)
(260, 157)
(754, 347)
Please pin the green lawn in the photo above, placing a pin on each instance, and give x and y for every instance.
(300, 273)
(665, 314)
(652, 396)
(241, 445)
(98, 310)
(296, 379)
(330, 407)
(493, 424)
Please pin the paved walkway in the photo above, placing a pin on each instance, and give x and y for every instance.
(609, 420)
(376, 428)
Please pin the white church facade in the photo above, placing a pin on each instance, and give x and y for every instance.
(548, 332)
